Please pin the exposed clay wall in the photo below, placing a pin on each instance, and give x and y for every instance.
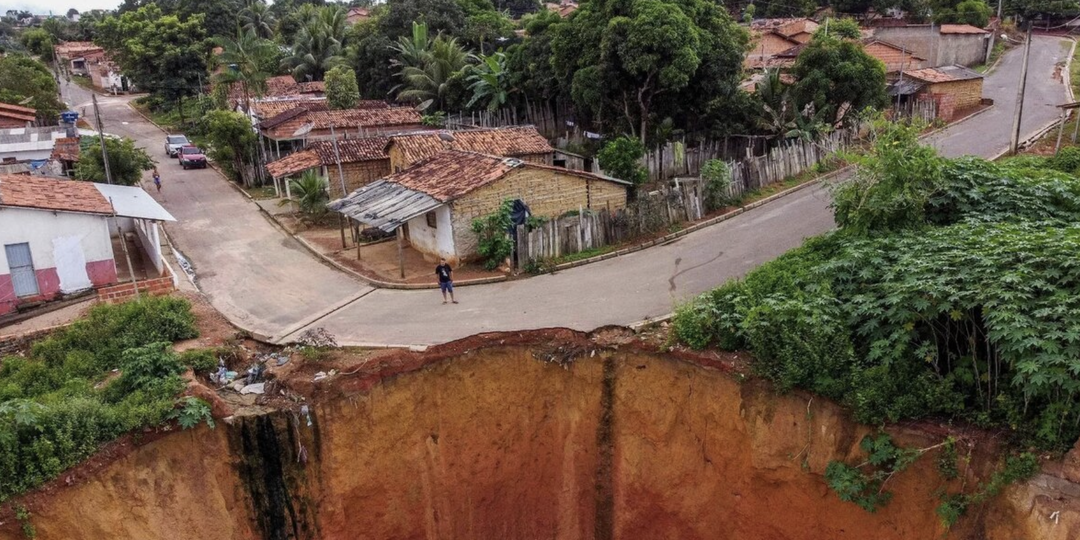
(496, 443)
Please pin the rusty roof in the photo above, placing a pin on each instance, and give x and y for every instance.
(451, 174)
(346, 119)
(322, 153)
(270, 109)
(66, 148)
(798, 26)
(51, 194)
(943, 74)
(26, 114)
(293, 163)
(515, 141)
(961, 29)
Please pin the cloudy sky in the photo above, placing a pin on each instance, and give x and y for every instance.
(42, 7)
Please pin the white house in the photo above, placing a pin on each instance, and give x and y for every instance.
(57, 235)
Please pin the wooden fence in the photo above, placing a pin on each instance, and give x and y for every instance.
(785, 160)
(921, 109)
(651, 213)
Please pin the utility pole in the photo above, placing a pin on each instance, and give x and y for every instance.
(337, 161)
(999, 11)
(1014, 144)
(101, 138)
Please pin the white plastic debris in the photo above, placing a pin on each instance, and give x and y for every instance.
(320, 376)
(257, 388)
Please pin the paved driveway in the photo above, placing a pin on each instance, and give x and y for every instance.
(263, 280)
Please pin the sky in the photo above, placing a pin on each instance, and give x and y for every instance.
(42, 7)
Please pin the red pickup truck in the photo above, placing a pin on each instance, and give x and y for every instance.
(191, 156)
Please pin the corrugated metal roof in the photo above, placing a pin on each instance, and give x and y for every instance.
(133, 202)
(385, 205)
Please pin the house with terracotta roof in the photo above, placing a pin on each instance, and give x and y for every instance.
(61, 237)
(764, 47)
(362, 161)
(66, 154)
(955, 89)
(299, 125)
(895, 57)
(433, 203)
(357, 14)
(77, 55)
(16, 116)
(521, 142)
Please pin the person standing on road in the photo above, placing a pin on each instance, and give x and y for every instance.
(446, 280)
(157, 180)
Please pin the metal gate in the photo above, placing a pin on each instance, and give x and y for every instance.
(22, 269)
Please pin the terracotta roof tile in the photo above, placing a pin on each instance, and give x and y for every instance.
(961, 29)
(270, 109)
(516, 141)
(451, 174)
(943, 74)
(52, 194)
(348, 119)
(66, 149)
(293, 163)
(322, 153)
(25, 114)
(69, 49)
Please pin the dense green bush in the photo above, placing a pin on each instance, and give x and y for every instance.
(58, 405)
(200, 360)
(957, 297)
(492, 236)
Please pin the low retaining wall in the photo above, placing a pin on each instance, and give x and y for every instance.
(126, 291)
(14, 344)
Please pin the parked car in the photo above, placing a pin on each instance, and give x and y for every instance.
(173, 144)
(191, 156)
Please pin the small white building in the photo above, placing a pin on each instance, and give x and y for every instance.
(58, 236)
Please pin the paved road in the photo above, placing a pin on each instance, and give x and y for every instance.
(989, 133)
(260, 278)
(263, 280)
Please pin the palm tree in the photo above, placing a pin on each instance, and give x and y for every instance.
(308, 192)
(490, 81)
(257, 18)
(427, 68)
(244, 57)
(319, 46)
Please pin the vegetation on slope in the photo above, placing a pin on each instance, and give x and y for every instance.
(87, 384)
(950, 290)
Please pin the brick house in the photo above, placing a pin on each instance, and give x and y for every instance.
(58, 237)
(433, 203)
(300, 124)
(955, 89)
(522, 142)
(895, 57)
(764, 47)
(15, 116)
(362, 161)
(77, 56)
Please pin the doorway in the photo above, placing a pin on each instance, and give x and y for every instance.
(22, 269)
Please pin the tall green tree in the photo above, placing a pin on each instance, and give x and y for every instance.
(630, 63)
(126, 161)
(246, 60)
(430, 70)
(489, 82)
(341, 89)
(621, 158)
(233, 143)
(837, 77)
(25, 81)
(319, 46)
(258, 18)
(38, 42)
(163, 54)
(485, 28)
(529, 63)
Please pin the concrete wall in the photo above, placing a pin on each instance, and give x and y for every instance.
(150, 239)
(9, 123)
(938, 49)
(436, 242)
(549, 193)
(70, 252)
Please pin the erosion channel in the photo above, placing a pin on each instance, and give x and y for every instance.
(549, 434)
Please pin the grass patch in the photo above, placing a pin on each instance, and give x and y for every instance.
(261, 192)
(107, 374)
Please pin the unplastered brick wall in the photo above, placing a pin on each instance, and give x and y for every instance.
(126, 291)
(548, 193)
(357, 175)
(953, 97)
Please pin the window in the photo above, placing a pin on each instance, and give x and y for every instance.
(430, 219)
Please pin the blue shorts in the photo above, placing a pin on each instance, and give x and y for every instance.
(446, 286)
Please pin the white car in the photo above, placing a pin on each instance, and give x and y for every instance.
(173, 144)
